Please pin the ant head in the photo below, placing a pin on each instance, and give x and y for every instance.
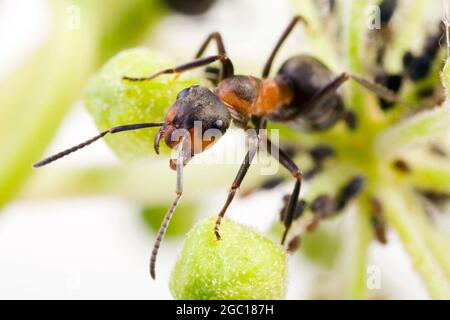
(198, 111)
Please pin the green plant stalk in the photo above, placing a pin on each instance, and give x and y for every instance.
(409, 228)
(446, 78)
(363, 232)
(430, 174)
(23, 77)
(317, 37)
(412, 93)
(125, 24)
(133, 181)
(328, 182)
(414, 131)
(436, 240)
(50, 102)
(409, 24)
(54, 77)
(356, 30)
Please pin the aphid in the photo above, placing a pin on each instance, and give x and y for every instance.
(321, 152)
(299, 208)
(294, 244)
(378, 221)
(191, 7)
(303, 93)
(271, 183)
(438, 150)
(401, 165)
(318, 154)
(417, 67)
(436, 198)
(387, 9)
(392, 82)
(325, 206)
(311, 173)
(348, 192)
(383, 35)
(351, 120)
(322, 206)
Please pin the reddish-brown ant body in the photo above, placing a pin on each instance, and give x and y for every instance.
(304, 92)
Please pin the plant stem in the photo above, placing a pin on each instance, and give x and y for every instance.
(435, 239)
(319, 39)
(65, 71)
(430, 173)
(408, 226)
(356, 30)
(418, 129)
(54, 77)
(408, 25)
(133, 181)
(358, 287)
(446, 77)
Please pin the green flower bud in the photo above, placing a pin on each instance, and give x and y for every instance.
(243, 265)
(113, 102)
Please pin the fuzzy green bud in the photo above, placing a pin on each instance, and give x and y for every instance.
(242, 265)
(112, 101)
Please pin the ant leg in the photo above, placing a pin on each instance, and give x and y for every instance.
(236, 184)
(183, 146)
(184, 67)
(227, 66)
(289, 164)
(284, 35)
(213, 36)
(378, 89)
(329, 90)
(113, 130)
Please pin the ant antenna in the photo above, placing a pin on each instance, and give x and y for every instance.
(97, 137)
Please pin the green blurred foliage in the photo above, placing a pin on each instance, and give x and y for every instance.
(54, 76)
(321, 246)
(446, 77)
(112, 101)
(180, 223)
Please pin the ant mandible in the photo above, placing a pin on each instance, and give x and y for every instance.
(303, 92)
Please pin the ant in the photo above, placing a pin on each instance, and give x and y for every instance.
(304, 92)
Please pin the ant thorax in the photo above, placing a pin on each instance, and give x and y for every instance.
(249, 96)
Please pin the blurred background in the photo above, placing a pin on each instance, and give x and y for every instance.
(58, 243)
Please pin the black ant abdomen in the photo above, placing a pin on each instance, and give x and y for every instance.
(305, 76)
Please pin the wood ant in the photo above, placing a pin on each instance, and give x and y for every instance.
(304, 92)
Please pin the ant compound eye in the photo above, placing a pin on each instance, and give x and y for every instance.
(218, 124)
(183, 93)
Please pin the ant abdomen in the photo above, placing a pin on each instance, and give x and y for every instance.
(305, 76)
